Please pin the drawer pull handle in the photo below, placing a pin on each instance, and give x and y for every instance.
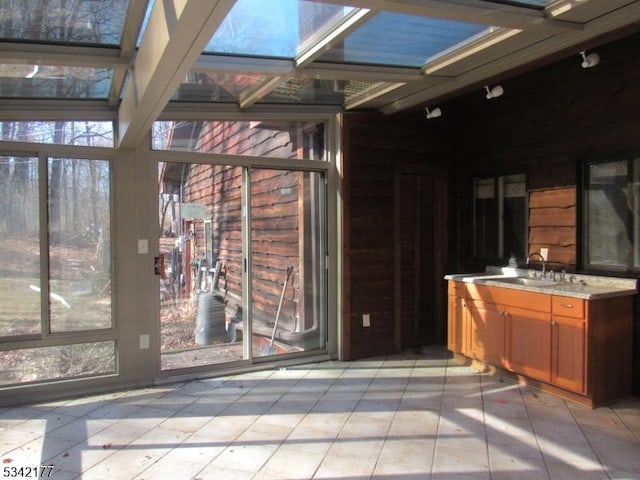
(567, 305)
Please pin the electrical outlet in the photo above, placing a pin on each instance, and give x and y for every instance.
(544, 251)
(366, 320)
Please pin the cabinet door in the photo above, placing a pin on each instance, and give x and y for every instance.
(528, 341)
(455, 314)
(568, 347)
(486, 332)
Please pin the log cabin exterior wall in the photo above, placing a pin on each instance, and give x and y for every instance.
(276, 220)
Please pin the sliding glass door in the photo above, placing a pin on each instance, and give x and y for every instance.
(242, 263)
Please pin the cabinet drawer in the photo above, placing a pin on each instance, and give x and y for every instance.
(567, 306)
(539, 302)
(456, 288)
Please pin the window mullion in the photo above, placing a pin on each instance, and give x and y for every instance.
(44, 245)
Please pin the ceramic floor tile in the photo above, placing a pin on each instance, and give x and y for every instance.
(386, 471)
(214, 471)
(568, 471)
(409, 452)
(11, 439)
(340, 467)
(328, 421)
(116, 435)
(13, 417)
(249, 458)
(576, 454)
(508, 463)
(147, 417)
(167, 467)
(81, 457)
(226, 428)
(40, 450)
(367, 448)
(160, 437)
(185, 422)
(196, 450)
(292, 464)
(459, 460)
(310, 440)
(173, 401)
(264, 434)
(617, 456)
(281, 415)
(80, 429)
(113, 411)
(126, 463)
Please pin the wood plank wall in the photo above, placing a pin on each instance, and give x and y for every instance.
(375, 147)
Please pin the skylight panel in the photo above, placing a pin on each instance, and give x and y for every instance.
(61, 21)
(400, 40)
(45, 81)
(249, 30)
(224, 87)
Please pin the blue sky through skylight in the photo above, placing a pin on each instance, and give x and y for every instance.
(250, 30)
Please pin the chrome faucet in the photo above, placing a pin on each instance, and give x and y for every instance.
(544, 262)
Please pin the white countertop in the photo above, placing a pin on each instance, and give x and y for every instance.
(588, 287)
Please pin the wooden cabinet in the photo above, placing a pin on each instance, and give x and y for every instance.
(580, 346)
(486, 332)
(568, 353)
(528, 349)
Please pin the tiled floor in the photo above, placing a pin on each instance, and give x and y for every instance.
(408, 416)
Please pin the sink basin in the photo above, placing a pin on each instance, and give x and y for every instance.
(531, 282)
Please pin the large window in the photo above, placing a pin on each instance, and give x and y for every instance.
(55, 268)
(611, 215)
(500, 217)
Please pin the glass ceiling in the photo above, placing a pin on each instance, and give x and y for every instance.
(275, 52)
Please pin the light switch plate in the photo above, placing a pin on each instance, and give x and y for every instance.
(143, 246)
(144, 341)
(366, 320)
(544, 251)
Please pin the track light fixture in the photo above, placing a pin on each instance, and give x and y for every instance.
(494, 92)
(434, 113)
(590, 60)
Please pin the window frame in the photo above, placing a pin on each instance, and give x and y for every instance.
(583, 215)
(499, 192)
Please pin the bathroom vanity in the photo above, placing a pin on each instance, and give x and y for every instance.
(571, 336)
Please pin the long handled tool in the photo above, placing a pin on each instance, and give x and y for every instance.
(270, 350)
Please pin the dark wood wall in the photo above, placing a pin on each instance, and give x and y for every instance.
(546, 124)
(376, 148)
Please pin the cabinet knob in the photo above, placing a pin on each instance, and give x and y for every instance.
(553, 323)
